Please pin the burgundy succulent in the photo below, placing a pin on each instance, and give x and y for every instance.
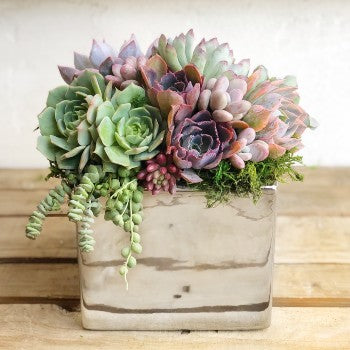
(197, 141)
(160, 174)
(177, 82)
(166, 88)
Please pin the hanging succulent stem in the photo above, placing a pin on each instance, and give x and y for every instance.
(124, 208)
(86, 241)
(135, 246)
(51, 202)
(96, 206)
(83, 206)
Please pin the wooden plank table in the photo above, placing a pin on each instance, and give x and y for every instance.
(39, 291)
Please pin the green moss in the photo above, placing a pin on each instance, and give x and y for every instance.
(224, 182)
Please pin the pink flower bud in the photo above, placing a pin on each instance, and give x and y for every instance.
(141, 175)
(161, 159)
(152, 167)
(149, 177)
(172, 169)
(163, 170)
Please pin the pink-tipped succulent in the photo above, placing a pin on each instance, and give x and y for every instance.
(122, 69)
(224, 98)
(275, 114)
(247, 148)
(160, 174)
(166, 88)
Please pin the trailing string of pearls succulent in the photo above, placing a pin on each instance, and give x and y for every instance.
(52, 202)
(81, 206)
(124, 208)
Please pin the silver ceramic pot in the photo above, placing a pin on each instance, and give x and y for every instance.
(200, 269)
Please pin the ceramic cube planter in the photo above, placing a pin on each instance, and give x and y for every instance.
(200, 269)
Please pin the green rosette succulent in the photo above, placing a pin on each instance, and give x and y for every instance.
(132, 131)
(211, 58)
(89, 122)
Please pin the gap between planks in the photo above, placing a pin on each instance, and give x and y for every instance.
(294, 284)
(313, 239)
(73, 304)
(325, 191)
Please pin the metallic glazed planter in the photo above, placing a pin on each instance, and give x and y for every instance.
(200, 269)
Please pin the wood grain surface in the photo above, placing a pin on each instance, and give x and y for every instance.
(43, 327)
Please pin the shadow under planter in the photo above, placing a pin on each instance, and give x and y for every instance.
(200, 269)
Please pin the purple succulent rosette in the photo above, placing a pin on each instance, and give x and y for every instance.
(196, 141)
(166, 88)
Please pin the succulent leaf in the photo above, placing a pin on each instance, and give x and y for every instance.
(72, 153)
(122, 111)
(105, 109)
(88, 79)
(56, 95)
(60, 142)
(47, 122)
(131, 94)
(106, 130)
(81, 62)
(45, 146)
(84, 136)
(117, 155)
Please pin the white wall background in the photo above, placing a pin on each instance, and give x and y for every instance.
(307, 38)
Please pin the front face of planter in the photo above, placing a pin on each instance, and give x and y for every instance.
(200, 269)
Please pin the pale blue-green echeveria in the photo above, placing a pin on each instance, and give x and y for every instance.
(89, 122)
(210, 57)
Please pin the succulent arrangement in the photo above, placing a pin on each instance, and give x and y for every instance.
(181, 114)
